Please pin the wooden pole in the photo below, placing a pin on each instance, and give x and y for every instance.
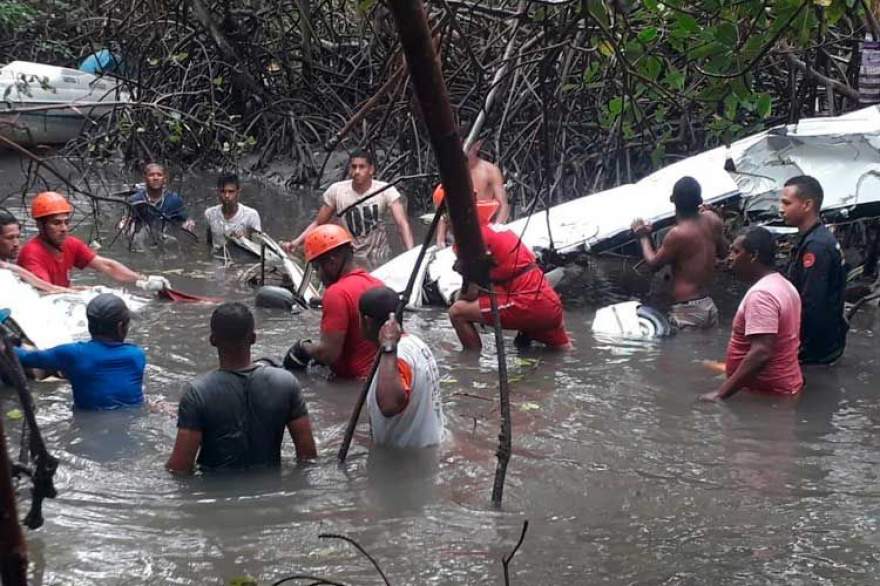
(430, 89)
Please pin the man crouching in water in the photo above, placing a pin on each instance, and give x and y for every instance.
(691, 247)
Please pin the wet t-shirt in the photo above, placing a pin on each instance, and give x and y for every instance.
(770, 306)
(245, 220)
(54, 266)
(421, 423)
(365, 221)
(242, 415)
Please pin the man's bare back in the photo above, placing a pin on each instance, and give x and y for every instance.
(694, 245)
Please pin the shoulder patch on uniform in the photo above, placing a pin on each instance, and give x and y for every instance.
(809, 260)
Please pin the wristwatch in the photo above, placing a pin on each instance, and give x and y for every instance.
(389, 348)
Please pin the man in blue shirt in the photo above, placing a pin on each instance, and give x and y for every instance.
(154, 206)
(105, 372)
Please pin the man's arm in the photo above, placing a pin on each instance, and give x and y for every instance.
(50, 359)
(668, 249)
(301, 433)
(114, 269)
(500, 194)
(394, 377)
(186, 448)
(33, 280)
(399, 215)
(760, 351)
(325, 214)
(722, 246)
(441, 233)
(329, 349)
(813, 289)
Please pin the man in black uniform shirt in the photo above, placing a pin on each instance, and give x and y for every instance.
(817, 271)
(234, 417)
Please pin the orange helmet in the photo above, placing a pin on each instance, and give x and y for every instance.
(49, 203)
(325, 238)
(439, 195)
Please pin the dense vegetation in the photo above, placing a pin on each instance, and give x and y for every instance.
(590, 93)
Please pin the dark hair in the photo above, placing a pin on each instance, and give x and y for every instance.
(232, 323)
(227, 179)
(687, 196)
(6, 218)
(378, 302)
(360, 154)
(807, 188)
(104, 314)
(759, 241)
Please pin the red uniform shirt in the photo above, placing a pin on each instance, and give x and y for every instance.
(340, 314)
(53, 266)
(526, 301)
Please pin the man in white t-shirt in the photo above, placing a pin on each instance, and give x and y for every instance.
(365, 220)
(404, 397)
(230, 218)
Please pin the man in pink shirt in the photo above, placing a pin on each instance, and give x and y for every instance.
(762, 354)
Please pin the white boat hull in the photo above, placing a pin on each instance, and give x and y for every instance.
(44, 104)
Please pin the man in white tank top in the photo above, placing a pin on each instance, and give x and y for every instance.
(404, 398)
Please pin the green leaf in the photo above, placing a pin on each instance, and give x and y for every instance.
(764, 105)
(730, 104)
(651, 67)
(647, 35)
(615, 106)
(674, 78)
(726, 34)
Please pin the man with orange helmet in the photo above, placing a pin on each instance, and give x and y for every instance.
(526, 301)
(53, 252)
(343, 346)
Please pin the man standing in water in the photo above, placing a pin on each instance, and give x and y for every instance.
(234, 417)
(105, 372)
(53, 252)
(342, 346)
(763, 347)
(817, 271)
(365, 220)
(154, 206)
(10, 245)
(691, 247)
(404, 398)
(230, 217)
(488, 183)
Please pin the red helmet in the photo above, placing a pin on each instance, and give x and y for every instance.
(325, 238)
(49, 203)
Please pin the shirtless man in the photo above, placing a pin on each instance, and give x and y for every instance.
(488, 185)
(692, 248)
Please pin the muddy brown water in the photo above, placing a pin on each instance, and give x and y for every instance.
(623, 476)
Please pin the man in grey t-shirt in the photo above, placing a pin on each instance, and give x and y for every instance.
(234, 417)
(231, 217)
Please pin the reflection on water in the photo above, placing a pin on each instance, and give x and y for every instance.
(624, 476)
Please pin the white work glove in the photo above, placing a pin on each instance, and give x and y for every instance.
(153, 284)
